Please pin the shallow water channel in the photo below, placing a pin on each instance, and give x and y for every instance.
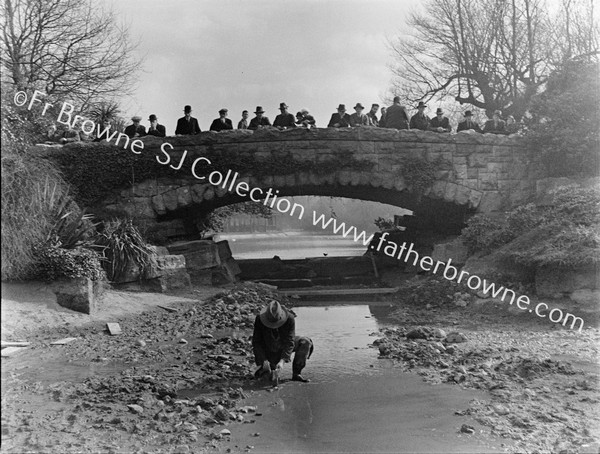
(356, 402)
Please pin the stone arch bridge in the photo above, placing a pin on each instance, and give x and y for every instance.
(441, 177)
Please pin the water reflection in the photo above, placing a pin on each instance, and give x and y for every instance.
(341, 335)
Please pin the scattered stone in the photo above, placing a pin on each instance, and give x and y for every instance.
(10, 351)
(455, 338)
(113, 329)
(225, 432)
(465, 428)
(438, 333)
(206, 336)
(256, 434)
(133, 408)
(188, 427)
(141, 343)
(418, 333)
(221, 413)
(167, 308)
(248, 409)
(438, 346)
(183, 341)
(500, 409)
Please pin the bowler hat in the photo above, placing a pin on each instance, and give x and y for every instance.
(439, 110)
(136, 118)
(342, 107)
(283, 105)
(358, 106)
(273, 315)
(223, 110)
(421, 104)
(187, 109)
(259, 109)
(152, 117)
(468, 113)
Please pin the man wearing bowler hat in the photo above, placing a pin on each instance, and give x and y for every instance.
(468, 123)
(340, 119)
(187, 125)
(285, 119)
(358, 118)
(439, 123)
(155, 129)
(260, 121)
(420, 120)
(222, 123)
(136, 129)
(274, 340)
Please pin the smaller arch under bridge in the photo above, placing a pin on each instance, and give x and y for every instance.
(441, 177)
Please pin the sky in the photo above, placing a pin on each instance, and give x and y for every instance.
(240, 54)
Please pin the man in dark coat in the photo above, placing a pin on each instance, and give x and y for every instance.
(439, 123)
(358, 118)
(243, 123)
(187, 125)
(222, 123)
(339, 119)
(496, 125)
(155, 129)
(468, 123)
(396, 116)
(259, 121)
(285, 119)
(420, 120)
(274, 340)
(305, 119)
(136, 129)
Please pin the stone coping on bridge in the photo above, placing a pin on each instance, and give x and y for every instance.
(365, 133)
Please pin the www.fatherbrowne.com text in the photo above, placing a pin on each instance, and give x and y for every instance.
(232, 182)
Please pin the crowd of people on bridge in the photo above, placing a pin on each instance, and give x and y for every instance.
(393, 117)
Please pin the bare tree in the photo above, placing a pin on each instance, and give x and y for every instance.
(66, 48)
(491, 54)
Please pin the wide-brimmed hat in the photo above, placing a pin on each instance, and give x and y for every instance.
(152, 118)
(358, 106)
(283, 105)
(439, 110)
(259, 109)
(136, 118)
(223, 110)
(468, 113)
(421, 104)
(273, 315)
(342, 107)
(187, 109)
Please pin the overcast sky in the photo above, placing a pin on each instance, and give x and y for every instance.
(240, 54)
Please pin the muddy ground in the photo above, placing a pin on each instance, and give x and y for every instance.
(123, 393)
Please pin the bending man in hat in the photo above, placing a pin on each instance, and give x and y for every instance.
(274, 340)
(285, 119)
(396, 116)
(439, 123)
(222, 123)
(136, 129)
(187, 124)
(260, 121)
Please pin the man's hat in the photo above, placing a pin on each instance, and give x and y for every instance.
(439, 110)
(342, 107)
(283, 105)
(273, 315)
(152, 118)
(358, 106)
(136, 118)
(187, 109)
(468, 113)
(223, 110)
(259, 109)
(421, 104)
